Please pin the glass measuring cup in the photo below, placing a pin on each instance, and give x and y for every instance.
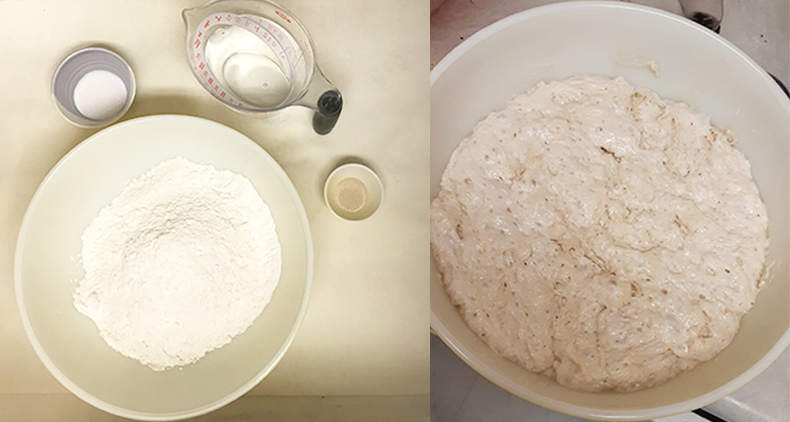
(255, 56)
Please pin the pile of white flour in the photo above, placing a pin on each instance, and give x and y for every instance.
(594, 233)
(183, 260)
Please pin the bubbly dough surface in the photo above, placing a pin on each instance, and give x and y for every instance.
(597, 234)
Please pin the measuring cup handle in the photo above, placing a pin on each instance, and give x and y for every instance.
(329, 105)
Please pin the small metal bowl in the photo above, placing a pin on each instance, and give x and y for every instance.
(77, 65)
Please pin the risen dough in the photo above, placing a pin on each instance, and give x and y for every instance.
(594, 233)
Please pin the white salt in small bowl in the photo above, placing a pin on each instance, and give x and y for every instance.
(353, 192)
(93, 87)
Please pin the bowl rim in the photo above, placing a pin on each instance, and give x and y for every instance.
(190, 413)
(490, 374)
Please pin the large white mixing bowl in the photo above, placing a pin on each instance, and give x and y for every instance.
(696, 66)
(68, 343)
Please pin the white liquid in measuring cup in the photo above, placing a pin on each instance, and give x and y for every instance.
(244, 64)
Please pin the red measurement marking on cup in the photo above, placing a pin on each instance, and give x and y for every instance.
(268, 31)
(282, 15)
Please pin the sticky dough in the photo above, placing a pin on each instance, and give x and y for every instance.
(595, 233)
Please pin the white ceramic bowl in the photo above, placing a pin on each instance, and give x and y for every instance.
(696, 66)
(374, 191)
(68, 343)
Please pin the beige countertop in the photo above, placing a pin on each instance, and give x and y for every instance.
(366, 329)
